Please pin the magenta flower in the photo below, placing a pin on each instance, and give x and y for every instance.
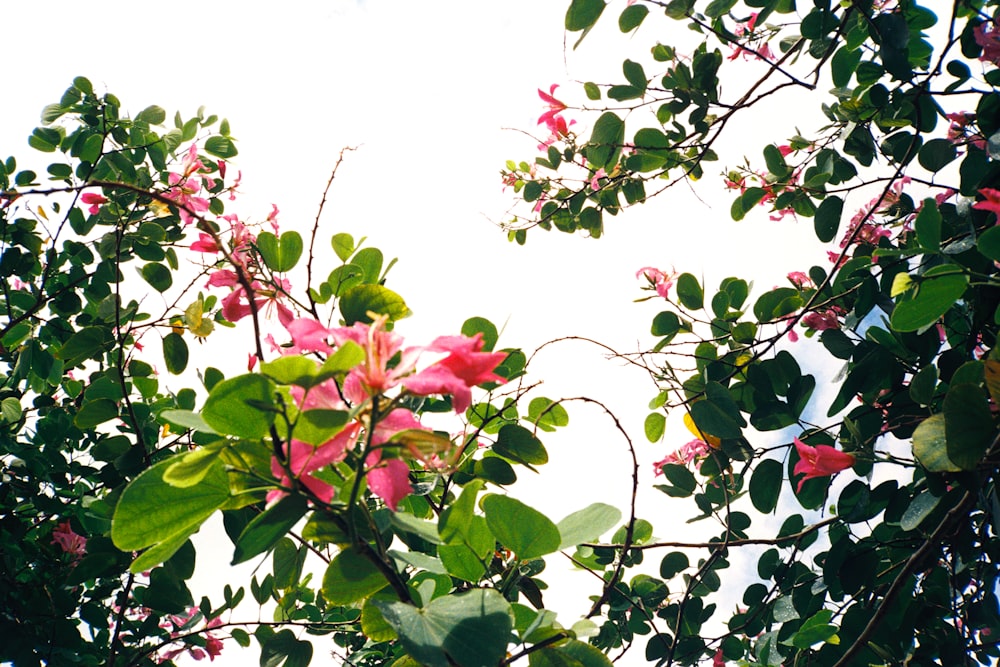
(690, 452)
(466, 366)
(373, 376)
(94, 200)
(595, 183)
(205, 243)
(308, 335)
(991, 201)
(555, 107)
(69, 541)
(389, 479)
(661, 281)
(819, 461)
(820, 320)
(800, 280)
(989, 41)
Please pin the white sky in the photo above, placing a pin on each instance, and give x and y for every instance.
(426, 89)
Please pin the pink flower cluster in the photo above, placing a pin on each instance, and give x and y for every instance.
(69, 541)
(461, 366)
(826, 318)
(959, 131)
(690, 452)
(990, 201)
(988, 37)
(552, 119)
(268, 294)
(183, 625)
(746, 29)
(659, 280)
(870, 232)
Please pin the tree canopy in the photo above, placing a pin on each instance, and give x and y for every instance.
(852, 526)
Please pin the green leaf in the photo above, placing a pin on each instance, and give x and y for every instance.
(969, 425)
(607, 138)
(689, 292)
(655, 425)
(939, 289)
(175, 353)
(583, 14)
(635, 74)
(370, 260)
(153, 115)
(456, 519)
(268, 527)
(189, 468)
(157, 275)
(347, 356)
(827, 220)
(717, 8)
(151, 512)
(815, 629)
(587, 524)
(228, 407)
(518, 444)
(928, 225)
(283, 649)
(525, 531)
(631, 18)
(573, 653)
(10, 410)
(358, 301)
(682, 481)
(187, 419)
(219, 146)
(918, 510)
(481, 325)
(282, 254)
(351, 577)
(95, 412)
(765, 485)
(469, 629)
(988, 243)
(469, 558)
(936, 154)
(85, 344)
(343, 246)
(923, 384)
(294, 369)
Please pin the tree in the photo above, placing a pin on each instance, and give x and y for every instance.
(320, 452)
(902, 568)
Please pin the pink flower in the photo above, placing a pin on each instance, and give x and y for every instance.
(308, 335)
(205, 243)
(661, 281)
(272, 217)
(989, 41)
(466, 366)
(389, 480)
(95, 200)
(689, 453)
(373, 376)
(820, 320)
(718, 660)
(555, 106)
(69, 541)
(991, 201)
(819, 461)
(800, 280)
(595, 184)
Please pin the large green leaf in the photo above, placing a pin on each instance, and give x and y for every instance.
(522, 529)
(689, 292)
(938, 291)
(587, 524)
(233, 406)
(969, 425)
(606, 140)
(350, 577)
(86, 343)
(468, 630)
(175, 353)
(583, 14)
(280, 254)
(268, 527)
(456, 519)
(152, 512)
(930, 445)
(765, 485)
(358, 301)
(518, 444)
(468, 557)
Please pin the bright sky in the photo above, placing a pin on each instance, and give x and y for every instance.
(426, 90)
